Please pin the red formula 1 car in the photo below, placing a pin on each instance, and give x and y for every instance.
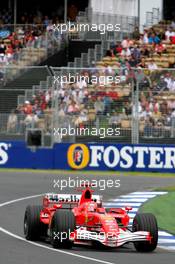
(66, 219)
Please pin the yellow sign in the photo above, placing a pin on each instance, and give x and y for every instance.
(78, 156)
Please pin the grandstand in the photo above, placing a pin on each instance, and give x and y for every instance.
(141, 103)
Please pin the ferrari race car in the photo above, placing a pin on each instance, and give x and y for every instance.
(68, 219)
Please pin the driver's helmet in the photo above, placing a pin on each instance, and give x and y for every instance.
(92, 207)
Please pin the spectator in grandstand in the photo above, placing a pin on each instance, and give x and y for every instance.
(142, 63)
(127, 108)
(125, 43)
(12, 122)
(2, 48)
(82, 83)
(107, 105)
(48, 96)
(82, 118)
(117, 49)
(136, 54)
(3, 59)
(110, 53)
(132, 61)
(9, 52)
(145, 37)
(158, 129)
(148, 128)
(46, 21)
(145, 113)
(167, 119)
(31, 120)
(154, 105)
(99, 106)
(161, 85)
(153, 39)
(152, 65)
(164, 107)
(136, 34)
(173, 23)
(20, 34)
(145, 51)
(125, 53)
(171, 104)
(157, 115)
(168, 79)
(169, 33)
(78, 96)
(160, 48)
(62, 110)
(172, 39)
(27, 109)
(114, 120)
(73, 108)
(173, 114)
(172, 85)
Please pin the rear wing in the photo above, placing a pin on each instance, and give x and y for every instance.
(68, 198)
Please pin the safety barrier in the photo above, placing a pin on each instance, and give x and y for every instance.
(115, 157)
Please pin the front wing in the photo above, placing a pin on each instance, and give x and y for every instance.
(83, 236)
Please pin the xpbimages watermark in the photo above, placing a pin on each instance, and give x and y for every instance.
(101, 184)
(84, 235)
(85, 27)
(101, 80)
(102, 132)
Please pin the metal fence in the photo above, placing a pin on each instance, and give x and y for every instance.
(99, 32)
(105, 104)
(141, 105)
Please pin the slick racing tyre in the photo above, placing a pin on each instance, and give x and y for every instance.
(63, 223)
(146, 222)
(33, 228)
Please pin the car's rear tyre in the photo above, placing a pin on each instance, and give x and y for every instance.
(34, 229)
(146, 222)
(63, 223)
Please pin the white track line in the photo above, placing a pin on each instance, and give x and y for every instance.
(123, 204)
(155, 193)
(142, 200)
(138, 196)
(166, 240)
(164, 233)
(20, 199)
(52, 249)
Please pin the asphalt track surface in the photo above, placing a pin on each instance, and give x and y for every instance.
(13, 250)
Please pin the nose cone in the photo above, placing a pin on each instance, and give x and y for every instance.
(109, 224)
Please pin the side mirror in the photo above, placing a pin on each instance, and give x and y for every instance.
(128, 208)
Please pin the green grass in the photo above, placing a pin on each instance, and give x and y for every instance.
(163, 207)
(167, 188)
(101, 173)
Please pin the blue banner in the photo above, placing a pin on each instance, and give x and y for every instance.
(15, 154)
(4, 34)
(116, 157)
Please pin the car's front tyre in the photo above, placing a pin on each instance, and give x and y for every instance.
(63, 223)
(146, 222)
